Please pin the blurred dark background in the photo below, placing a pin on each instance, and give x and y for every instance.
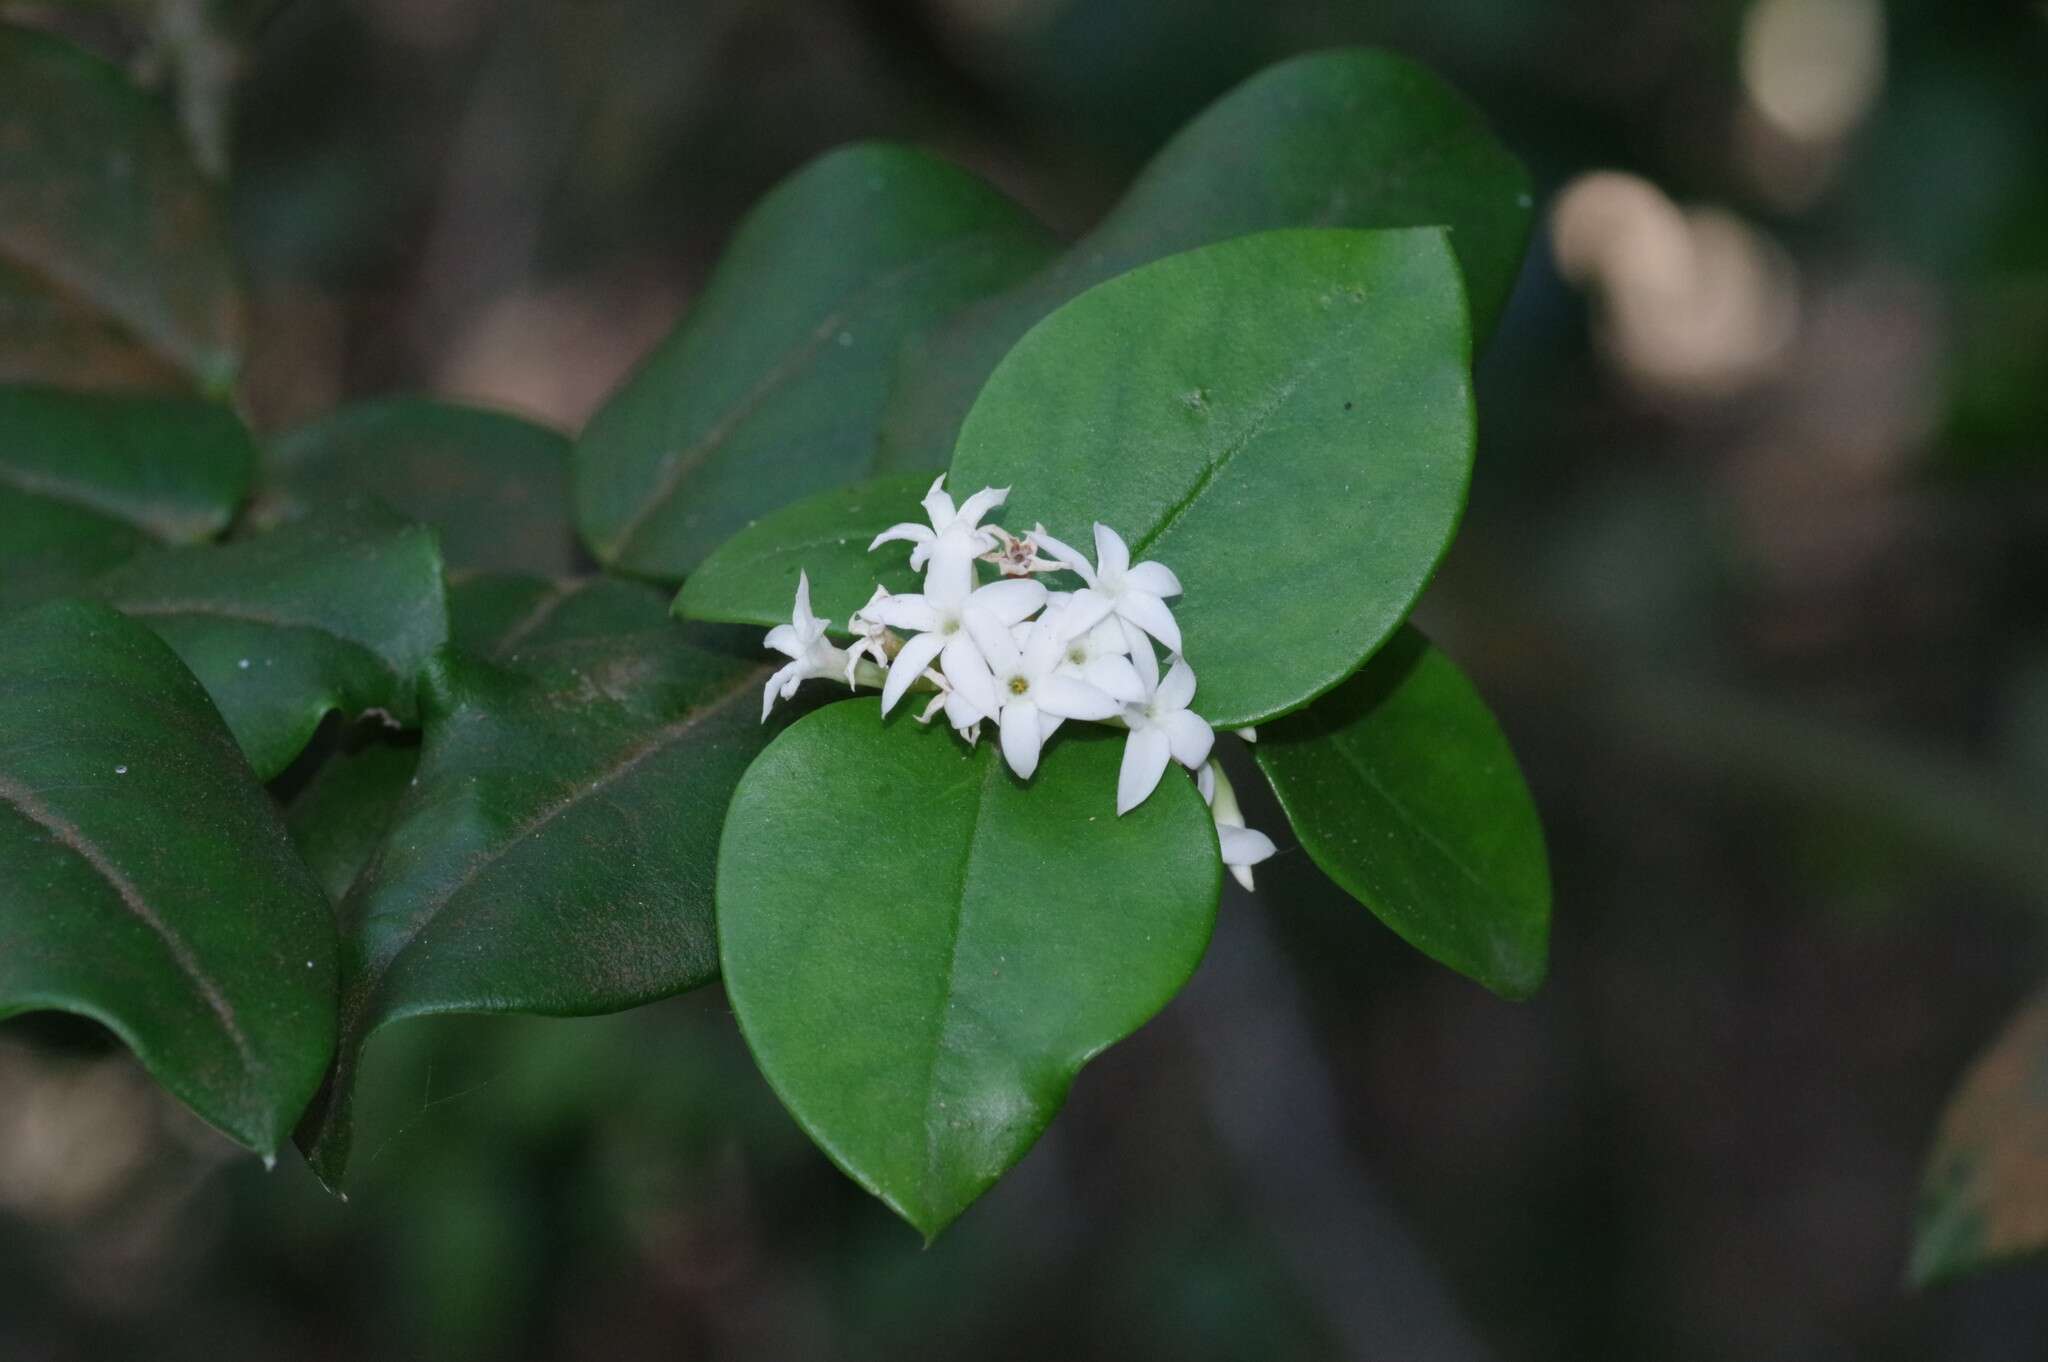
(1754, 573)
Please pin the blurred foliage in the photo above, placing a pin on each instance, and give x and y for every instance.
(1788, 810)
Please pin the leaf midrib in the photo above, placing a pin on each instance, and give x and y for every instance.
(26, 804)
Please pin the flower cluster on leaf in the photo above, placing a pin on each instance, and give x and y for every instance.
(1013, 653)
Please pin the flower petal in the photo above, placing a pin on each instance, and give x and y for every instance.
(915, 534)
(1243, 875)
(1084, 610)
(802, 617)
(1011, 600)
(911, 660)
(1156, 578)
(1244, 846)
(938, 506)
(1145, 757)
(1071, 699)
(1048, 724)
(783, 638)
(1021, 738)
(1059, 549)
(1116, 678)
(1112, 555)
(1149, 613)
(911, 613)
(1142, 655)
(949, 576)
(969, 675)
(1191, 738)
(775, 683)
(992, 636)
(980, 504)
(1178, 688)
(1205, 781)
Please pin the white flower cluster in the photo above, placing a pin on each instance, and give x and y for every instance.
(1012, 653)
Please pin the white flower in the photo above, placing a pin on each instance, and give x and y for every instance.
(803, 641)
(1243, 847)
(958, 529)
(1098, 654)
(1029, 691)
(1136, 592)
(868, 636)
(1161, 726)
(936, 618)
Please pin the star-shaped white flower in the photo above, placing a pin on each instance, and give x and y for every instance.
(1136, 592)
(803, 641)
(936, 620)
(957, 529)
(1243, 847)
(1030, 693)
(1161, 726)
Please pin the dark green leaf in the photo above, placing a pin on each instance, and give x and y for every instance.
(923, 952)
(1353, 138)
(1285, 420)
(103, 209)
(1402, 788)
(555, 852)
(145, 881)
(498, 617)
(1985, 1198)
(494, 486)
(86, 482)
(772, 388)
(338, 820)
(752, 578)
(339, 612)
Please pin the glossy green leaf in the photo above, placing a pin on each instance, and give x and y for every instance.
(772, 388)
(1985, 1197)
(923, 951)
(1285, 420)
(145, 881)
(339, 818)
(87, 482)
(102, 208)
(555, 852)
(337, 613)
(500, 616)
(752, 578)
(495, 487)
(1402, 787)
(1349, 138)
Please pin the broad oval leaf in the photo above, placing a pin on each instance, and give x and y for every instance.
(494, 486)
(102, 209)
(501, 616)
(88, 481)
(145, 881)
(1401, 786)
(1985, 1196)
(337, 613)
(922, 951)
(772, 387)
(554, 852)
(752, 577)
(1285, 420)
(1348, 138)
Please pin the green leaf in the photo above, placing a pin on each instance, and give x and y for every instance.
(495, 487)
(501, 616)
(752, 578)
(337, 613)
(1349, 138)
(87, 482)
(101, 207)
(1285, 420)
(555, 852)
(1985, 1196)
(772, 388)
(922, 951)
(145, 881)
(1402, 788)
(339, 818)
